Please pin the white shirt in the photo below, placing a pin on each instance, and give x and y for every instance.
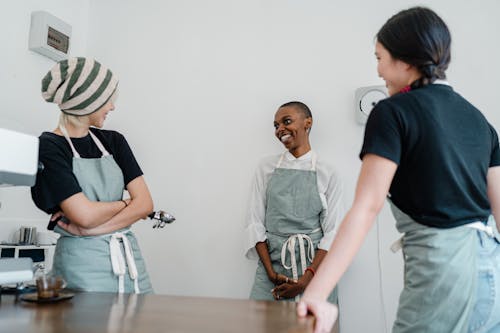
(330, 193)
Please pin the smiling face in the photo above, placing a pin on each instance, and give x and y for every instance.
(291, 128)
(97, 118)
(396, 73)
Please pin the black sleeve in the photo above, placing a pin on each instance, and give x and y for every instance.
(383, 133)
(495, 152)
(56, 182)
(124, 157)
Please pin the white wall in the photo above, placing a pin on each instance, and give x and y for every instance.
(200, 82)
(22, 106)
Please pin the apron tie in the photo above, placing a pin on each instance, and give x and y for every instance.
(481, 227)
(289, 245)
(397, 245)
(118, 261)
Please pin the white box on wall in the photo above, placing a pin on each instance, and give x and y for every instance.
(49, 36)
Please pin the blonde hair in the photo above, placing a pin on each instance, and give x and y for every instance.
(75, 121)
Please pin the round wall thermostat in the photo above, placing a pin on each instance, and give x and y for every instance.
(365, 99)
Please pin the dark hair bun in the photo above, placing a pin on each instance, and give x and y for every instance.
(418, 37)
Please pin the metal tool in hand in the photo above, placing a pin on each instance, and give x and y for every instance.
(161, 218)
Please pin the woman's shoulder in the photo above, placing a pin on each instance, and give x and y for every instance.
(50, 140)
(327, 169)
(108, 134)
(111, 139)
(53, 147)
(326, 164)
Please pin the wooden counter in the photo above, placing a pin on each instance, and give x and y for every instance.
(107, 312)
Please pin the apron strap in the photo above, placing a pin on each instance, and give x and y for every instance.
(481, 227)
(118, 261)
(99, 144)
(314, 159)
(289, 245)
(92, 135)
(280, 160)
(66, 136)
(397, 245)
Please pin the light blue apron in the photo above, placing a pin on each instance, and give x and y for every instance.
(100, 263)
(486, 315)
(440, 277)
(293, 226)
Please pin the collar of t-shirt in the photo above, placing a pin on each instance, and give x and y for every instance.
(438, 81)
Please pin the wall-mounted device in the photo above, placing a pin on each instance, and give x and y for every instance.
(365, 98)
(49, 35)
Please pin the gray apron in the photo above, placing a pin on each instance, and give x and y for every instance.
(100, 263)
(293, 226)
(440, 277)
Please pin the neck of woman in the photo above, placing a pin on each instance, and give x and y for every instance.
(74, 131)
(300, 150)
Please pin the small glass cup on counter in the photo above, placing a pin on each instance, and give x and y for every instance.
(49, 286)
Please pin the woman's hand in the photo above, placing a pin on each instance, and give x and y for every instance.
(75, 230)
(326, 314)
(56, 216)
(291, 288)
(278, 279)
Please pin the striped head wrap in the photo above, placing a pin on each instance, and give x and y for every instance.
(80, 86)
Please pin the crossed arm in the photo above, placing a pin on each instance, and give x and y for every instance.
(96, 218)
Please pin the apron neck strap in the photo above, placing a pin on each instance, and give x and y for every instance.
(314, 159)
(66, 136)
(280, 160)
(92, 135)
(99, 144)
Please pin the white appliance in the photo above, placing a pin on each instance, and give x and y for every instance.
(18, 158)
(15, 270)
(18, 167)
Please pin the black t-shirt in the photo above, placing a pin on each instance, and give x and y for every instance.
(56, 182)
(443, 147)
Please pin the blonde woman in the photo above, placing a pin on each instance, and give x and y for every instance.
(86, 172)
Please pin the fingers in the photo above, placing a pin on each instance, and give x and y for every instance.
(279, 292)
(301, 309)
(325, 314)
(285, 290)
(280, 279)
(64, 226)
(56, 216)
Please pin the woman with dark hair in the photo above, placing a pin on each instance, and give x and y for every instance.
(294, 209)
(436, 157)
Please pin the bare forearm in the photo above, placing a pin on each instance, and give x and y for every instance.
(263, 252)
(136, 210)
(351, 234)
(79, 210)
(88, 214)
(318, 258)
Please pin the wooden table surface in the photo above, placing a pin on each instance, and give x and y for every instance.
(109, 312)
